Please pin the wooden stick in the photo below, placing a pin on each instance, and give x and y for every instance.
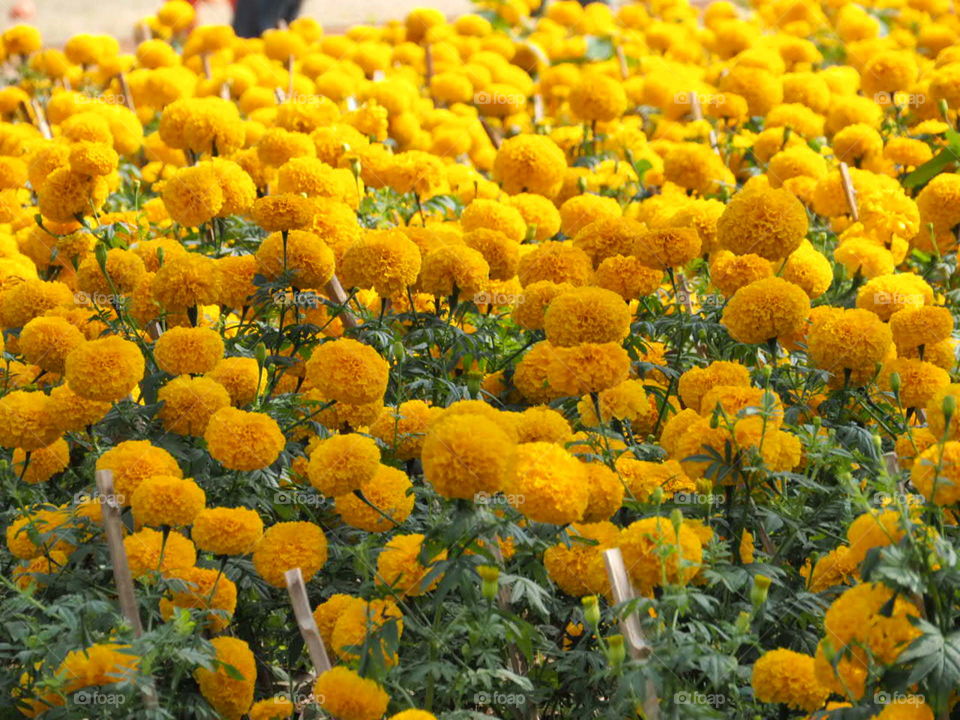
(40, 119)
(537, 108)
(125, 90)
(113, 529)
(697, 111)
(207, 69)
(849, 191)
(428, 64)
(336, 293)
(622, 61)
(305, 621)
(637, 644)
(279, 95)
(491, 133)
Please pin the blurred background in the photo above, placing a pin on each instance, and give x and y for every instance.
(59, 19)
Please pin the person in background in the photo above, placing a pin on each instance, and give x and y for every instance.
(252, 17)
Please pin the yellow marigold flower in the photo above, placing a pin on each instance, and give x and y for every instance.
(330, 611)
(587, 368)
(277, 213)
(543, 424)
(848, 340)
(625, 402)
(913, 327)
(236, 280)
(44, 462)
(403, 429)
(667, 247)
(493, 215)
(132, 462)
(193, 195)
(654, 552)
(465, 455)
(399, 566)
(919, 380)
(188, 350)
(359, 621)
(22, 301)
(787, 677)
(608, 237)
(606, 492)
(528, 163)
(831, 570)
(598, 97)
(46, 342)
(729, 272)
(549, 484)
(186, 282)
(576, 564)
(760, 88)
(147, 552)
(907, 152)
(167, 500)
(239, 190)
(388, 492)
(938, 200)
(540, 215)
(67, 195)
(229, 695)
(205, 589)
(557, 262)
(189, 403)
(808, 269)
(870, 530)
(888, 294)
(765, 310)
(587, 314)
(124, 269)
(767, 222)
(348, 696)
(501, 253)
(275, 708)
(451, 268)
(107, 369)
(287, 545)
(857, 622)
(99, 664)
(49, 526)
(30, 572)
(343, 463)
(348, 371)
(241, 440)
(942, 486)
(582, 210)
(88, 158)
(537, 296)
(385, 260)
(203, 125)
(628, 277)
(303, 253)
(413, 715)
(641, 478)
(227, 531)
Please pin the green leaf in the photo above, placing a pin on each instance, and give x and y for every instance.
(926, 172)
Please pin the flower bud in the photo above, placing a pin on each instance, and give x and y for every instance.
(758, 593)
(949, 407)
(591, 610)
(895, 384)
(676, 519)
(616, 652)
(490, 577)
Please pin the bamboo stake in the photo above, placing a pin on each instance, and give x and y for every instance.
(637, 644)
(125, 91)
(336, 293)
(428, 64)
(40, 119)
(305, 621)
(207, 69)
(697, 110)
(622, 62)
(113, 529)
(849, 191)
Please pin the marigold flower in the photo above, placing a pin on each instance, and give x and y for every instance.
(348, 696)
(399, 567)
(229, 695)
(785, 676)
(385, 260)
(241, 440)
(549, 484)
(557, 262)
(578, 568)
(276, 213)
(586, 314)
(187, 281)
(188, 351)
(149, 551)
(99, 664)
(207, 590)
(287, 545)
(189, 403)
(348, 371)
(530, 164)
(343, 463)
(167, 500)
(654, 552)
(193, 195)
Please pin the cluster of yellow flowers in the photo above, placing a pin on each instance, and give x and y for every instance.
(206, 238)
